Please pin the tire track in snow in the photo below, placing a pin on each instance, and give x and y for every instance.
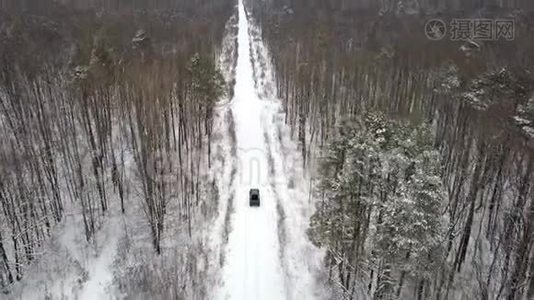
(252, 268)
(301, 261)
(259, 68)
(224, 170)
(279, 209)
(227, 227)
(258, 74)
(263, 78)
(281, 215)
(224, 177)
(251, 53)
(228, 57)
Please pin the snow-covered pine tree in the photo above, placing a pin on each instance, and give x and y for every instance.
(380, 179)
(409, 231)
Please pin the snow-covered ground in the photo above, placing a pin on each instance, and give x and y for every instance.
(243, 252)
(100, 273)
(252, 267)
(267, 255)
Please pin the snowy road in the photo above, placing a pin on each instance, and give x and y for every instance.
(252, 267)
(267, 255)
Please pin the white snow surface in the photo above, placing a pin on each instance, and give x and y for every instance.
(252, 266)
(268, 255)
(254, 252)
(100, 272)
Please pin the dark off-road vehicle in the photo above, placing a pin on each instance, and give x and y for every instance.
(254, 197)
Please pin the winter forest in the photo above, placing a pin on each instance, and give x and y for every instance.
(394, 158)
